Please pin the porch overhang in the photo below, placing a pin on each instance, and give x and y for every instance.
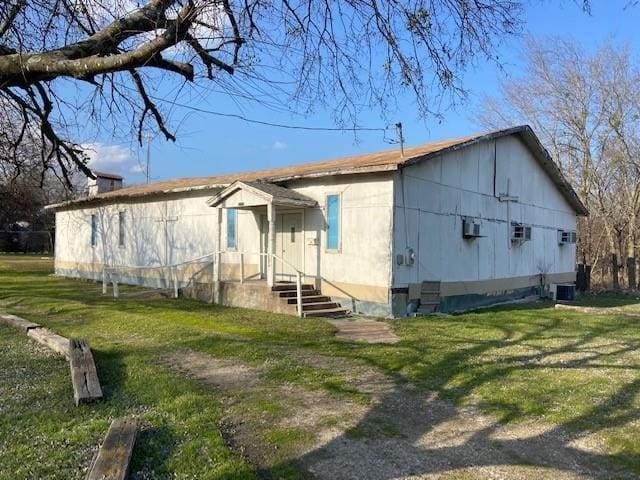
(245, 195)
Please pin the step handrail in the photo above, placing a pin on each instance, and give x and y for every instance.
(108, 270)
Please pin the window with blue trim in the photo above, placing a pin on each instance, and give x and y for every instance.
(232, 229)
(333, 222)
(121, 229)
(94, 230)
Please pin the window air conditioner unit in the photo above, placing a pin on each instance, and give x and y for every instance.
(520, 233)
(565, 237)
(470, 228)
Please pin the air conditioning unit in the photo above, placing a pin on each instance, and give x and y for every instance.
(566, 236)
(470, 228)
(520, 233)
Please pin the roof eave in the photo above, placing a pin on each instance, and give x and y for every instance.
(277, 179)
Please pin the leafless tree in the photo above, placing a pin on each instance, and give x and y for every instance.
(114, 56)
(587, 109)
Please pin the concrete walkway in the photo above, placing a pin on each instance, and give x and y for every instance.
(367, 331)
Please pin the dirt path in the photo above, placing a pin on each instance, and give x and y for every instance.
(402, 433)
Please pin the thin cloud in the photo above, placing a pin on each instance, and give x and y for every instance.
(109, 158)
(278, 145)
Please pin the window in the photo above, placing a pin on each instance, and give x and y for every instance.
(333, 222)
(121, 229)
(94, 230)
(232, 229)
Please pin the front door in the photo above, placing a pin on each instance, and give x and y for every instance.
(289, 244)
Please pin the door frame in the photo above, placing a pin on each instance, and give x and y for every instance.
(264, 238)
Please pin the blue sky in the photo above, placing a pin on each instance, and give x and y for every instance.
(208, 145)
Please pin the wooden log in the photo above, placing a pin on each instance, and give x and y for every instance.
(52, 340)
(597, 310)
(84, 377)
(112, 460)
(17, 322)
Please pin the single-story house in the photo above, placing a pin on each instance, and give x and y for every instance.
(443, 226)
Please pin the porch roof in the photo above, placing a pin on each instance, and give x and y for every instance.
(265, 193)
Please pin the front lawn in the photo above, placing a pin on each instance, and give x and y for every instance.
(233, 393)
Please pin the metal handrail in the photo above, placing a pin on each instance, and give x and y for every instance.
(107, 271)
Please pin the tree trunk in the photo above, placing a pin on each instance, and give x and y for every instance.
(631, 251)
(631, 272)
(580, 278)
(615, 280)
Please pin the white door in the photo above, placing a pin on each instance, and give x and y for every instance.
(289, 244)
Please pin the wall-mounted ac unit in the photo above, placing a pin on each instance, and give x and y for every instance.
(470, 228)
(566, 236)
(520, 232)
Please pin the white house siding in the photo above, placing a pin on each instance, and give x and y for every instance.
(191, 233)
(359, 274)
(439, 192)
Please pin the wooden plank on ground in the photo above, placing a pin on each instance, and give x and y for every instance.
(112, 460)
(597, 310)
(52, 340)
(84, 377)
(14, 321)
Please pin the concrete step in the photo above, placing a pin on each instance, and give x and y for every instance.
(319, 306)
(285, 286)
(294, 294)
(329, 312)
(309, 299)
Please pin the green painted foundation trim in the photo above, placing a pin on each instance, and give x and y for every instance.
(469, 301)
(373, 309)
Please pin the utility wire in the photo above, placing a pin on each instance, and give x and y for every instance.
(278, 125)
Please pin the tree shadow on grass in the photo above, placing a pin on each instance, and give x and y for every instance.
(111, 369)
(153, 447)
(433, 431)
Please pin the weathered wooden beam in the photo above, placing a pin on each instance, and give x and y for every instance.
(84, 377)
(52, 340)
(112, 460)
(17, 322)
(598, 310)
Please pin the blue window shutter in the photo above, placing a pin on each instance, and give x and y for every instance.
(121, 229)
(94, 230)
(231, 229)
(333, 222)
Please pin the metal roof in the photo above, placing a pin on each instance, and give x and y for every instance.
(372, 162)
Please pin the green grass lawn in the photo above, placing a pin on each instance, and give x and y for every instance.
(520, 365)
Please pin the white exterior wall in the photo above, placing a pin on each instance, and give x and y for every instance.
(360, 271)
(439, 192)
